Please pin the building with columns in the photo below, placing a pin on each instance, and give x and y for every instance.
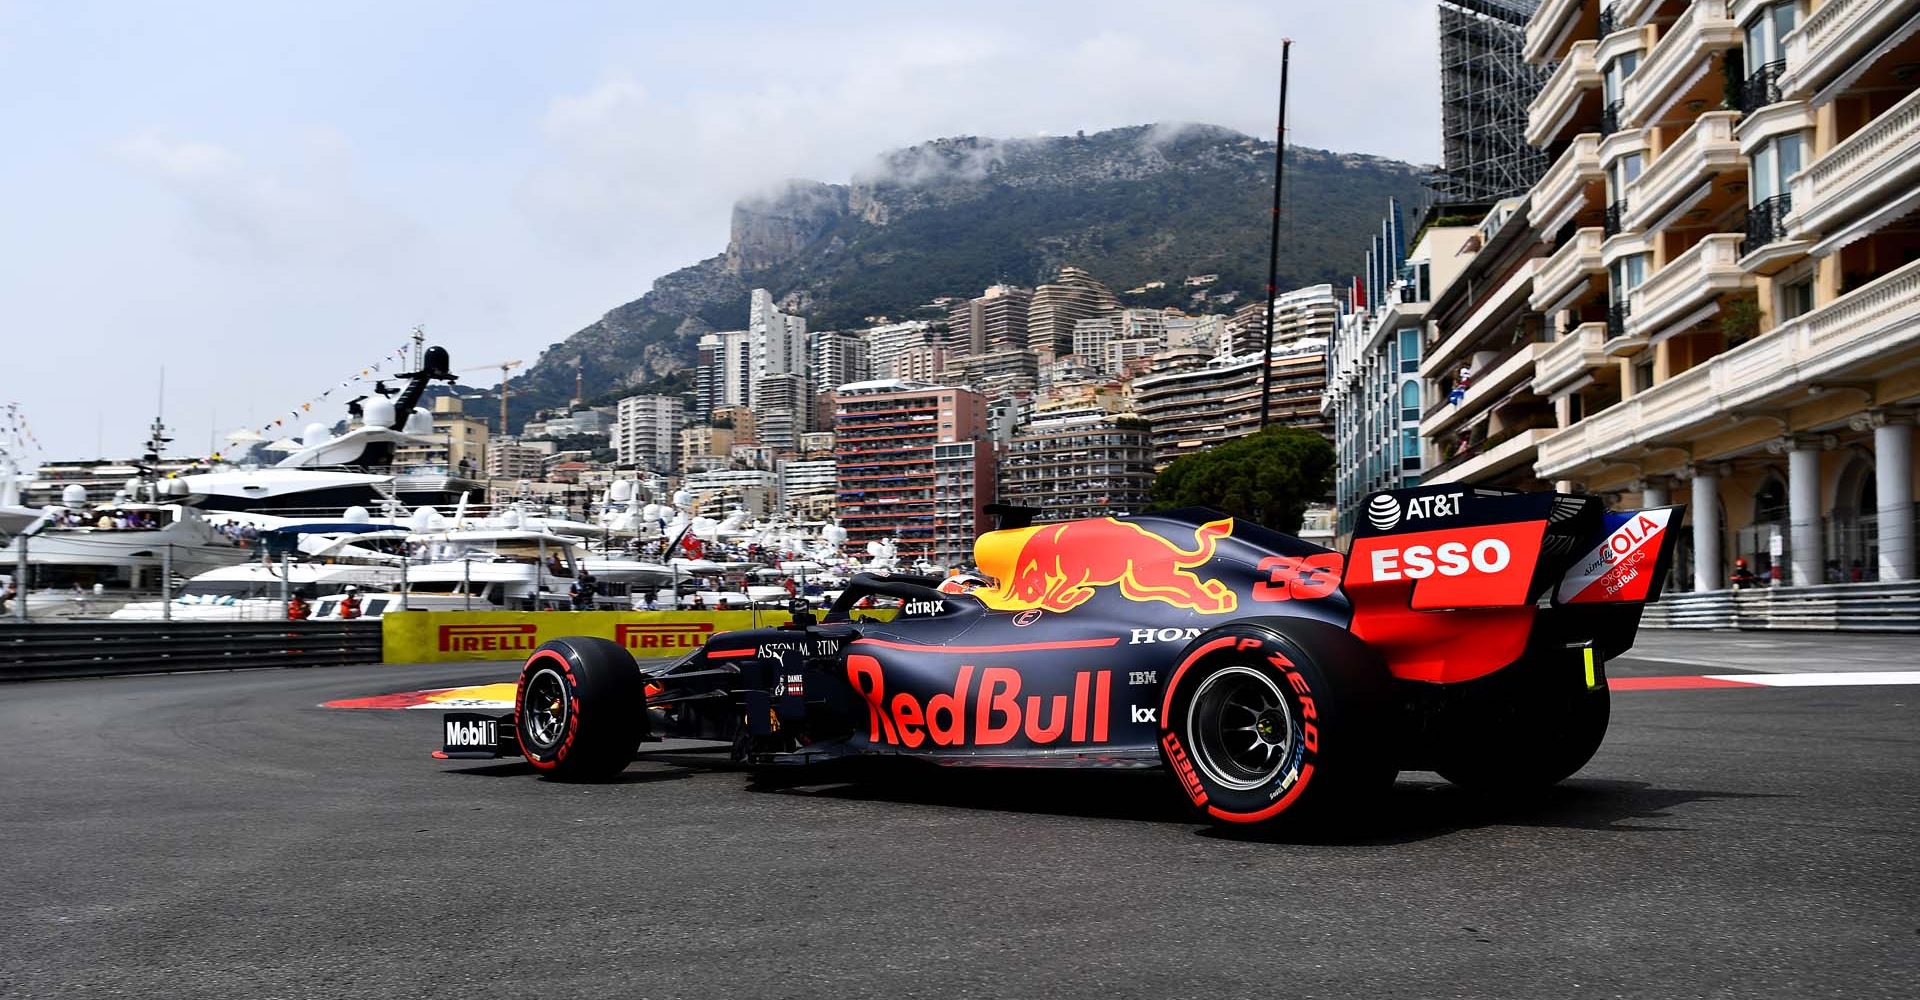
(1730, 278)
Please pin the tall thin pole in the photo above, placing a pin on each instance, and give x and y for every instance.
(1273, 245)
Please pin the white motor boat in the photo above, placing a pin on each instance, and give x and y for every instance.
(258, 591)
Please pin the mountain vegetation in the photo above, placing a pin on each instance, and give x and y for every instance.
(949, 217)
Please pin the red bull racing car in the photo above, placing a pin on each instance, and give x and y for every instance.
(1466, 632)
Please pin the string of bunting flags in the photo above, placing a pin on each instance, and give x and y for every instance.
(376, 370)
(17, 428)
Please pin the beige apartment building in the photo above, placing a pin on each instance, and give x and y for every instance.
(1713, 294)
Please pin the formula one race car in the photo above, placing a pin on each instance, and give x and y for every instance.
(1466, 632)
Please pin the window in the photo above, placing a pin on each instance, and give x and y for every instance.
(1773, 165)
(1766, 35)
(1622, 172)
(1409, 400)
(1796, 299)
(1615, 75)
(1643, 373)
(1409, 448)
(1627, 273)
(1409, 350)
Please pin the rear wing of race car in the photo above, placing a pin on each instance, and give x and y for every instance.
(1452, 583)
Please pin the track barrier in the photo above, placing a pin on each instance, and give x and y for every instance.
(44, 650)
(1838, 607)
(455, 636)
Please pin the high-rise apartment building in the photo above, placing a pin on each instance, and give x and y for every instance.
(1733, 274)
(777, 342)
(1090, 339)
(510, 458)
(1079, 468)
(834, 358)
(885, 344)
(645, 432)
(996, 321)
(807, 487)
(914, 464)
(999, 374)
(1195, 404)
(1374, 395)
(721, 373)
(1061, 303)
(783, 411)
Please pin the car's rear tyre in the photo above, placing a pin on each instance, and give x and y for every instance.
(1539, 737)
(1265, 720)
(580, 708)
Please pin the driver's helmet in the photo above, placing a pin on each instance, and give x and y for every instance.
(962, 583)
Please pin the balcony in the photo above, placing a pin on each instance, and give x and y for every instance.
(1568, 272)
(1511, 292)
(1616, 214)
(1761, 88)
(1565, 189)
(1576, 353)
(1864, 333)
(1555, 107)
(1703, 152)
(1834, 37)
(1679, 62)
(1870, 169)
(1551, 26)
(1491, 382)
(1611, 116)
(1689, 287)
(1768, 245)
(1620, 340)
(1490, 458)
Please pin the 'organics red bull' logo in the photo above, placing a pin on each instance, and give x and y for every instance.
(1057, 567)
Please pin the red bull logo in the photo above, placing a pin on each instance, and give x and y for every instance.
(1058, 567)
(488, 638)
(666, 637)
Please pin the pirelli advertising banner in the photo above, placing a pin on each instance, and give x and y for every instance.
(450, 636)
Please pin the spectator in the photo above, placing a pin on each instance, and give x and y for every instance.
(1834, 573)
(582, 591)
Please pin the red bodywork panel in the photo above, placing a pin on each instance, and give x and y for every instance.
(1449, 605)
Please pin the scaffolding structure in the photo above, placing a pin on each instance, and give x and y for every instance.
(1485, 87)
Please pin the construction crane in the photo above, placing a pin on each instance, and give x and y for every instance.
(505, 367)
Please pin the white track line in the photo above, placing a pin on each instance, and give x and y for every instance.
(1856, 678)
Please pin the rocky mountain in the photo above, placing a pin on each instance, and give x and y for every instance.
(951, 216)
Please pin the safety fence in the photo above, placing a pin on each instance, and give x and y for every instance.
(42, 650)
(1846, 607)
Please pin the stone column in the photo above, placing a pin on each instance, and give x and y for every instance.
(1893, 481)
(1704, 508)
(1654, 493)
(1808, 554)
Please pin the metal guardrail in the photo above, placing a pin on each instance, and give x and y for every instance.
(44, 650)
(1837, 607)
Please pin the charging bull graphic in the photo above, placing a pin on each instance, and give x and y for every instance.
(1056, 567)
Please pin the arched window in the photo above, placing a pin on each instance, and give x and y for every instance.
(1409, 400)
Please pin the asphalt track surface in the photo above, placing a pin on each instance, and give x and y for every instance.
(218, 835)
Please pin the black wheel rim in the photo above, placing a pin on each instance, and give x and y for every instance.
(544, 708)
(1241, 727)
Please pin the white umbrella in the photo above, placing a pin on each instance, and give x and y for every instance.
(284, 444)
(245, 435)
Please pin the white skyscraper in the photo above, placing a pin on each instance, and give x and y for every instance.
(777, 342)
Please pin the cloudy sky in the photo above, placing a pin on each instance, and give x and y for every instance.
(262, 197)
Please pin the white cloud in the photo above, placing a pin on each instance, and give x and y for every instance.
(301, 212)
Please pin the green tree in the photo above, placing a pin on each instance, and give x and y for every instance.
(1268, 478)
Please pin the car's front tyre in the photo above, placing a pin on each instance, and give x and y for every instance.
(580, 708)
